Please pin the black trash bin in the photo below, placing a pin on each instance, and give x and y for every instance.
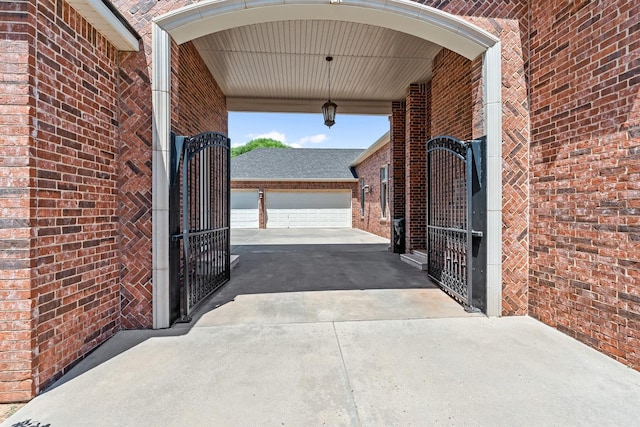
(398, 235)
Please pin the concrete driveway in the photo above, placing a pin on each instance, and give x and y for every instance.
(312, 334)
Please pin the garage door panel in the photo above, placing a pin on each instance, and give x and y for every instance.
(244, 209)
(244, 200)
(308, 209)
(309, 200)
(244, 218)
(308, 218)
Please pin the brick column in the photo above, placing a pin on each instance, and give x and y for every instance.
(17, 177)
(396, 167)
(262, 212)
(417, 132)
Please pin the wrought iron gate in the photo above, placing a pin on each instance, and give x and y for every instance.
(456, 224)
(200, 219)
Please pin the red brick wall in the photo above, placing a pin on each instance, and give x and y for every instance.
(451, 107)
(585, 172)
(372, 221)
(17, 325)
(202, 106)
(134, 191)
(198, 105)
(397, 164)
(75, 236)
(510, 22)
(417, 132)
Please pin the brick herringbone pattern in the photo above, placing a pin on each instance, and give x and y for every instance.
(509, 21)
(515, 174)
(134, 184)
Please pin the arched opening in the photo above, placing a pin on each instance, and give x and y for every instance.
(420, 21)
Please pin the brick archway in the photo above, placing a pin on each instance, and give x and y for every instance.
(426, 22)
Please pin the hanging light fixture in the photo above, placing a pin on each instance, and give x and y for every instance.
(329, 108)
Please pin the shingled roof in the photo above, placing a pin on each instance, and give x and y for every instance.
(294, 164)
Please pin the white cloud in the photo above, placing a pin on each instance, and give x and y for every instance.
(312, 139)
(274, 134)
(295, 145)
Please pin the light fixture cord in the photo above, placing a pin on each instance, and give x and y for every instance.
(330, 80)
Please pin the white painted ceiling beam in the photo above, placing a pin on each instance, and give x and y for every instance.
(307, 106)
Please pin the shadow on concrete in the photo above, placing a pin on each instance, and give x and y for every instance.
(270, 269)
(265, 269)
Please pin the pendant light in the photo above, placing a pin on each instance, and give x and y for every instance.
(329, 108)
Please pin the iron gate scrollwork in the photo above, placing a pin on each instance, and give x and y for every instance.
(204, 217)
(456, 220)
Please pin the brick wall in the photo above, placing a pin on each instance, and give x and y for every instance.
(75, 237)
(417, 132)
(510, 22)
(451, 112)
(201, 104)
(198, 105)
(372, 221)
(17, 325)
(397, 164)
(134, 191)
(585, 172)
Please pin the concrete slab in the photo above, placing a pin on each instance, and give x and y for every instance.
(299, 236)
(483, 372)
(333, 306)
(338, 334)
(226, 376)
(458, 371)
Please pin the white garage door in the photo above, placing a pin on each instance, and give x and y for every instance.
(244, 209)
(313, 209)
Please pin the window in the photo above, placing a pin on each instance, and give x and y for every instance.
(383, 190)
(362, 196)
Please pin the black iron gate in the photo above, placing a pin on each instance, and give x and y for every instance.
(199, 222)
(456, 224)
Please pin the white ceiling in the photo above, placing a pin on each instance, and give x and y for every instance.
(280, 66)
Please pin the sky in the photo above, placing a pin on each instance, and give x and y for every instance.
(307, 130)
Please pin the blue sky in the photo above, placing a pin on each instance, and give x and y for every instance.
(307, 130)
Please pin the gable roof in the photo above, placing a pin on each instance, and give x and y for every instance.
(384, 139)
(291, 164)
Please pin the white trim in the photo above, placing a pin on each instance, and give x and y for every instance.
(293, 180)
(384, 139)
(106, 23)
(492, 82)
(402, 15)
(409, 17)
(378, 108)
(161, 101)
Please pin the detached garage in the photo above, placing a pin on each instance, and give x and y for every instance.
(308, 209)
(293, 188)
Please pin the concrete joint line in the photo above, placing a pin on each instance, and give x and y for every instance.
(346, 374)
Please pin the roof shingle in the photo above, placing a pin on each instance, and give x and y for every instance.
(294, 163)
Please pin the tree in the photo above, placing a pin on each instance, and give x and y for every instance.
(257, 143)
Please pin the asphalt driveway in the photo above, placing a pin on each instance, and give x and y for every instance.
(313, 332)
(318, 275)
